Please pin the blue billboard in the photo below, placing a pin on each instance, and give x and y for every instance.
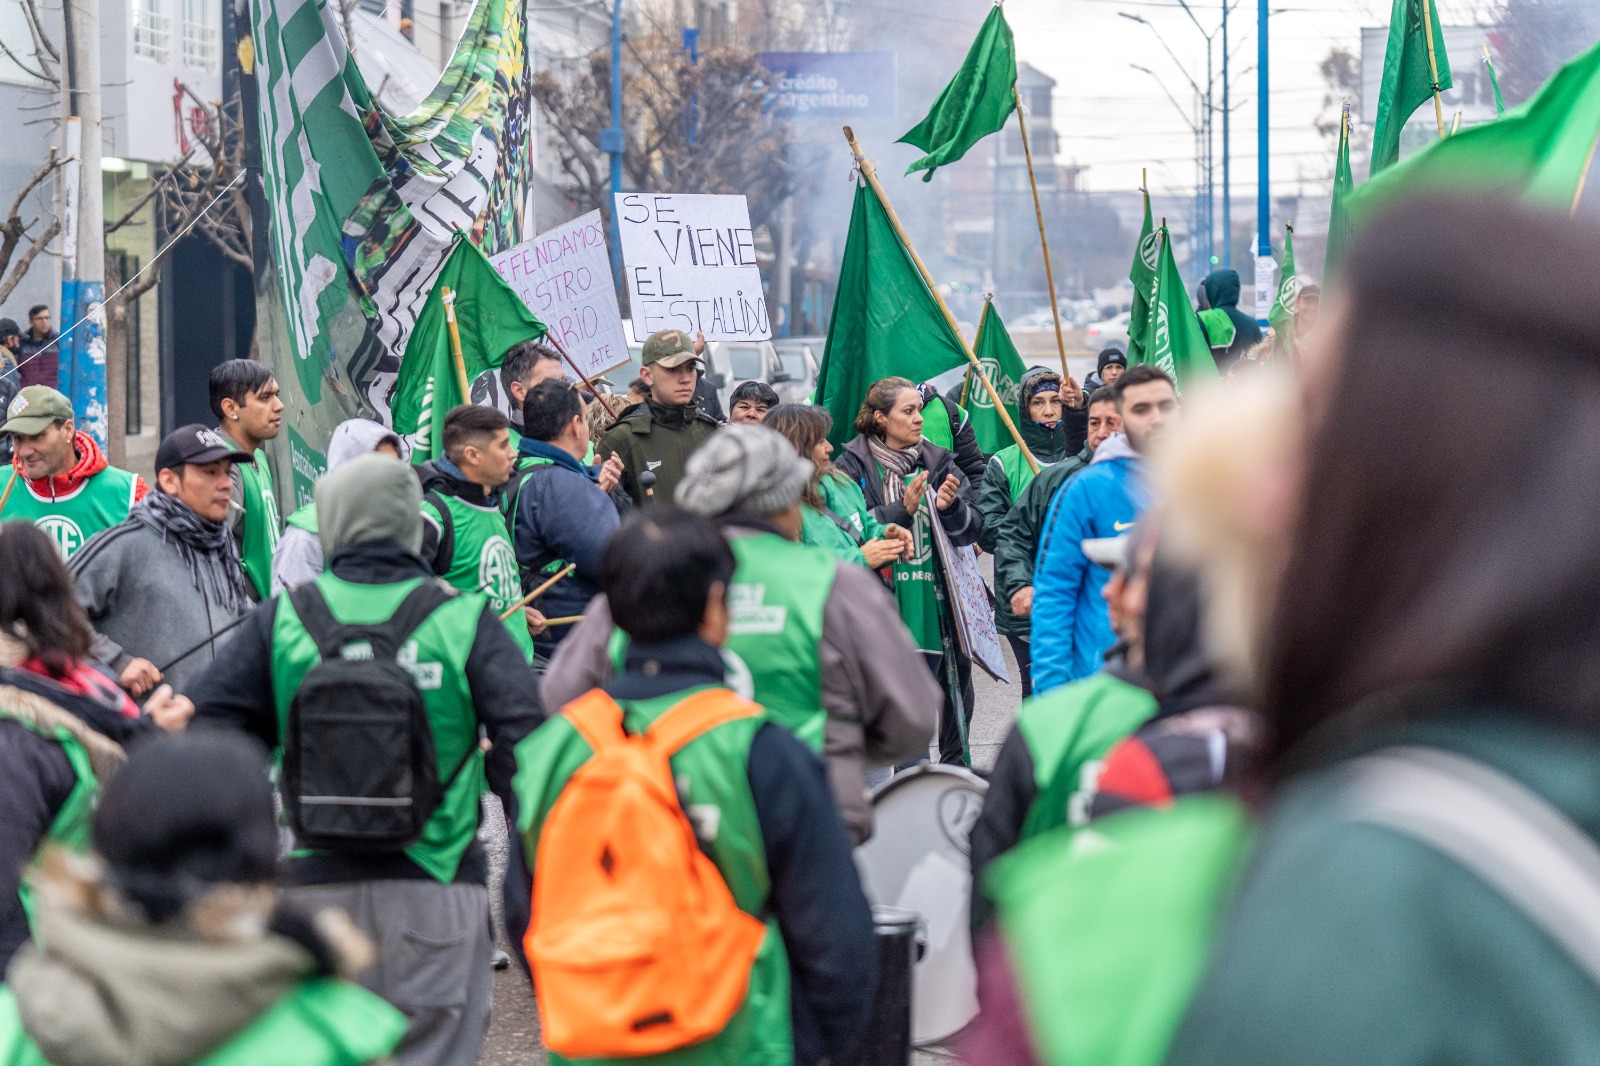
(831, 84)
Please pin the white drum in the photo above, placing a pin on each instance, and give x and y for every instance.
(917, 860)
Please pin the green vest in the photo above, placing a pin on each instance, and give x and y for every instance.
(1109, 929)
(918, 582)
(99, 503)
(261, 525)
(936, 425)
(775, 606)
(1220, 329)
(323, 1022)
(437, 656)
(712, 776)
(820, 531)
(1068, 732)
(844, 498)
(1019, 475)
(483, 560)
(304, 518)
(70, 827)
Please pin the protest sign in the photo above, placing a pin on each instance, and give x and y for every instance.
(564, 276)
(969, 598)
(691, 265)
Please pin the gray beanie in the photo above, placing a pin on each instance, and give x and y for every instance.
(372, 497)
(743, 468)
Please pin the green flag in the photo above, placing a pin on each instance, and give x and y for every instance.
(885, 322)
(1143, 275)
(975, 104)
(1407, 74)
(1494, 83)
(1344, 183)
(1176, 343)
(1004, 368)
(490, 316)
(1539, 152)
(1281, 317)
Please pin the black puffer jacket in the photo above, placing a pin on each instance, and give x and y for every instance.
(962, 521)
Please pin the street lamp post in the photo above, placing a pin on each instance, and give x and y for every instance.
(1264, 163)
(612, 140)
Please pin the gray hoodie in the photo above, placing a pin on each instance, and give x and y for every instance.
(298, 557)
(143, 603)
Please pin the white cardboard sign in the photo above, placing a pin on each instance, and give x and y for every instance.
(564, 276)
(690, 262)
(969, 598)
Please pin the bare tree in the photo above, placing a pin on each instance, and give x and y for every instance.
(699, 128)
(14, 232)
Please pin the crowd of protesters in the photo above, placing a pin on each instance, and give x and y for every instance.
(1302, 773)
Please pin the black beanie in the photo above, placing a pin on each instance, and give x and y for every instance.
(1109, 356)
(186, 812)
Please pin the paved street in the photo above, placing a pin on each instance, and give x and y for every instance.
(514, 1032)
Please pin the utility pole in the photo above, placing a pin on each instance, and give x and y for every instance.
(614, 143)
(1264, 264)
(82, 353)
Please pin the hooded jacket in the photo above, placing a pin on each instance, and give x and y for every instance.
(1222, 289)
(1071, 626)
(1017, 539)
(563, 515)
(103, 988)
(90, 461)
(298, 557)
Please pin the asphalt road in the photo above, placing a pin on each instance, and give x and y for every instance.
(514, 1029)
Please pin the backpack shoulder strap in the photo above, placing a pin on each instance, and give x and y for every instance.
(597, 718)
(850, 531)
(699, 714)
(1502, 832)
(330, 634)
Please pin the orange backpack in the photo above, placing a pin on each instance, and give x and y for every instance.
(636, 945)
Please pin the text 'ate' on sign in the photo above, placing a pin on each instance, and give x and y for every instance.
(564, 276)
(690, 262)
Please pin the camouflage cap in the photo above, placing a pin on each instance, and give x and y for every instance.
(670, 347)
(35, 409)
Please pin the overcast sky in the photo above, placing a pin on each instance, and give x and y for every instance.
(1115, 119)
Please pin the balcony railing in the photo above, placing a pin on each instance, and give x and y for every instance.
(200, 47)
(152, 34)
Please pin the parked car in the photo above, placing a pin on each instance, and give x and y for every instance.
(798, 360)
(1108, 333)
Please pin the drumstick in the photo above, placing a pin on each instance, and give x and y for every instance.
(567, 621)
(9, 486)
(536, 593)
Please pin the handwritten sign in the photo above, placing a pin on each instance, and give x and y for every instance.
(564, 276)
(969, 597)
(691, 265)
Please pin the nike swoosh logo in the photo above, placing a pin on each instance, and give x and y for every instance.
(1122, 527)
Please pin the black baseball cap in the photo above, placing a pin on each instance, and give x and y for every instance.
(197, 444)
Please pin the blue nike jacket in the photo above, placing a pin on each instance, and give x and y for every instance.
(1071, 626)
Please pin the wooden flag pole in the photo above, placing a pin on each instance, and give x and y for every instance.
(448, 296)
(1433, 63)
(6, 496)
(1044, 244)
(868, 172)
(593, 388)
(536, 593)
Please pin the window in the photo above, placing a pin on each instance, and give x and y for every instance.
(152, 34)
(747, 363)
(200, 44)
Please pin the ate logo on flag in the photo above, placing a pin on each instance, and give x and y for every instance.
(1161, 343)
(1009, 390)
(1150, 251)
(1286, 293)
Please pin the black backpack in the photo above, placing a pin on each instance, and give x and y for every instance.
(360, 773)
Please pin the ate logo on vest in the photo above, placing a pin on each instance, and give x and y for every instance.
(64, 531)
(921, 537)
(497, 573)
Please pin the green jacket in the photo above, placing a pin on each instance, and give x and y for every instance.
(1352, 943)
(1016, 533)
(659, 439)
